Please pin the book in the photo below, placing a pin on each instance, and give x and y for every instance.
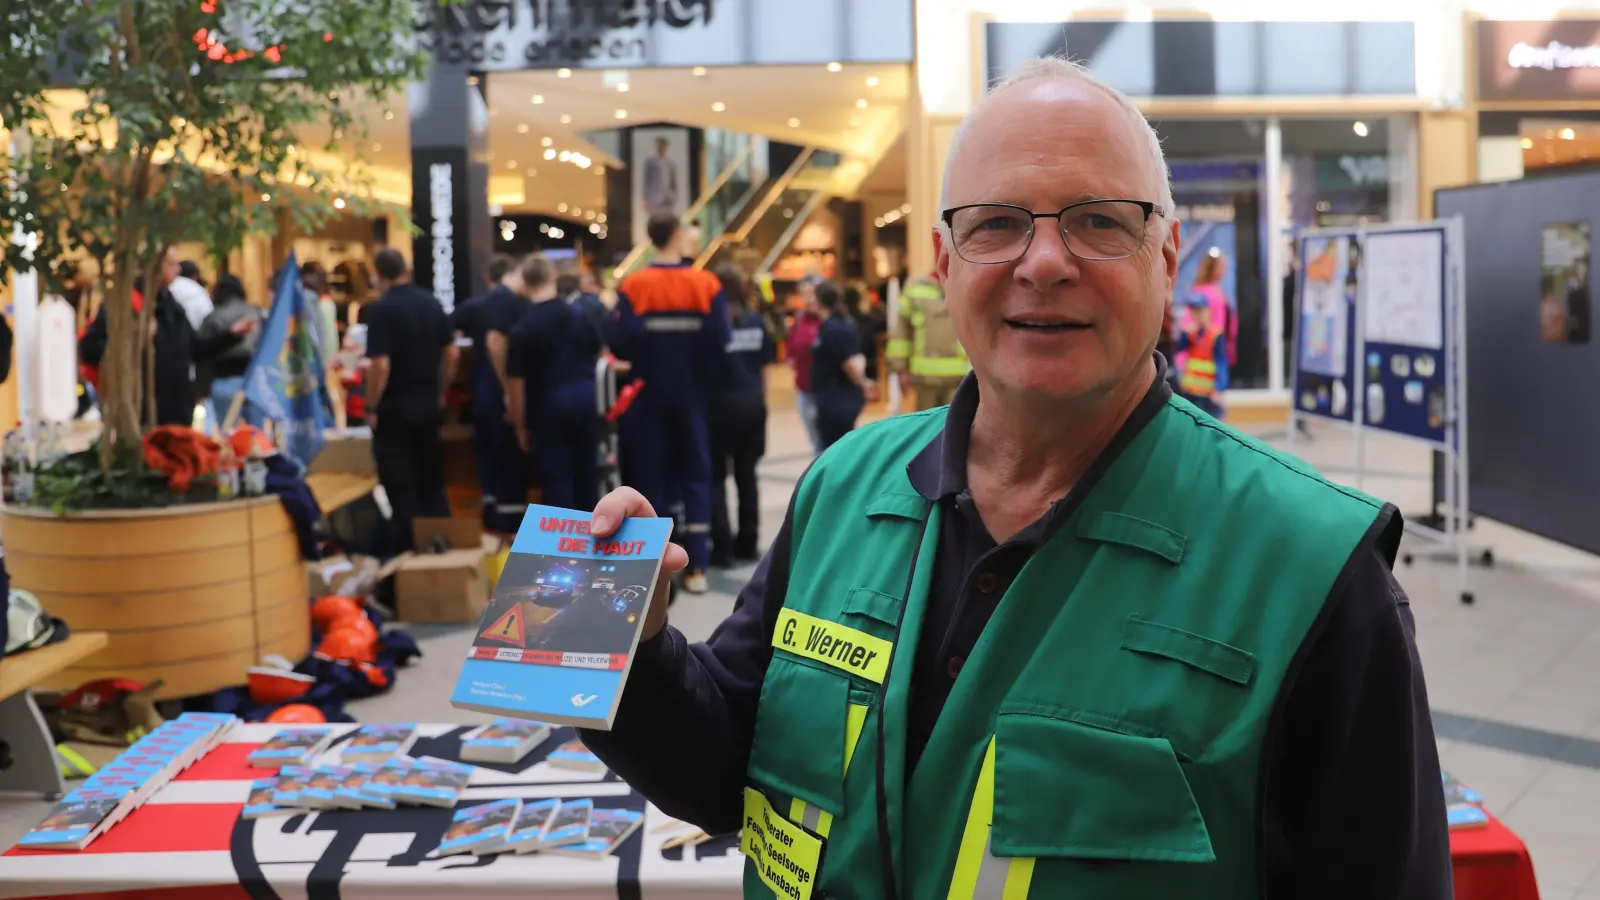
(527, 830)
(1466, 815)
(379, 789)
(574, 755)
(559, 636)
(318, 790)
(73, 822)
(260, 802)
(607, 829)
(1455, 792)
(569, 825)
(432, 782)
(352, 790)
(503, 740)
(376, 743)
(479, 826)
(291, 747)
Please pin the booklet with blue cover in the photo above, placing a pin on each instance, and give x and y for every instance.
(557, 640)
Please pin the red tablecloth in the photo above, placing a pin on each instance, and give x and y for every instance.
(1491, 863)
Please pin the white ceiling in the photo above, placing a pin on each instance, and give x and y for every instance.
(795, 104)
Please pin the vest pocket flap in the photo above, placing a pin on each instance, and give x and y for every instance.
(1221, 660)
(1066, 789)
(804, 760)
(1117, 528)
(874, 605)
(898, 504)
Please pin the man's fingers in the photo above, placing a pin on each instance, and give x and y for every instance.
(675, 559)
(616, 506)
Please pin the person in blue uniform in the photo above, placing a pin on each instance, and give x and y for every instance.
(550, 370)
(839, 381)
(739, 424)
(472, 323)
(571, 289)
(671, 325)
(412, 349)
(504, 469)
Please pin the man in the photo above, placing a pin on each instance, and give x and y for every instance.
(671, 325)
(798, 343)
(413, 357)
(1123, 651)
(173, 339)
(502, 467)
(661, 182)
(191, 294)
(923, 351)
(579, 291)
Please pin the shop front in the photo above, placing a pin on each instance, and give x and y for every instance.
(1536, 91)
(1269, 127)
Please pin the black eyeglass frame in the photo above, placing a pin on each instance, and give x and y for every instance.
(948, 218)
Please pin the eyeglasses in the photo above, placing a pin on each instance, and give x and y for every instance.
(991, 233)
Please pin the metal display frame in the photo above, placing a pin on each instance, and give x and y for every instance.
(1453, 516)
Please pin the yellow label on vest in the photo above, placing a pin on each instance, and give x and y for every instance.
(785, 855)
(837, 645)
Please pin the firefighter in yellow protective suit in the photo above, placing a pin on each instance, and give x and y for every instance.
(923, 351)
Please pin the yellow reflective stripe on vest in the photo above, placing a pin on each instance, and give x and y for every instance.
(979, 874)
(939, 367)
(1199, 376)
(815, 818)
(897, 348)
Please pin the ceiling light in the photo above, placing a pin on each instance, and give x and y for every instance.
(338, 203)
(546, 141)
(561, 207)
(511, 164)
(834, 67)
(563, 73)
(699, 70)
(532, 172)
(550, 153)
(622, 114)
(862, 103)
(589, 215)
(388, 115)
(523, 128)
(266, 198)
(878, 222)
(566, 119)
(338, 134)
(594, 229)
(622, 87)
(601, 218)
(788, 214)
(538, 99)
(576, 212)
(1568, 134)
(906, 209)
(1360, 128)
(794, 123)
(544, 229)
(1527, 143)
(718, 106)
(872, 81)
(566, 155)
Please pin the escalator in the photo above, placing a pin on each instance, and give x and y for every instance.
(766, 226)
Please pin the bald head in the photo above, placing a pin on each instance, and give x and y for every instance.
(1051, 92)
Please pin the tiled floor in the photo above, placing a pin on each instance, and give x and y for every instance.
(1513, 679)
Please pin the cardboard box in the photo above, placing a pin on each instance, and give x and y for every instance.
(442, 587)
(343, 575)
(347, 451)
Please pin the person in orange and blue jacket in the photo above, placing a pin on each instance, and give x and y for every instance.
(671, 325)
(1205, 370)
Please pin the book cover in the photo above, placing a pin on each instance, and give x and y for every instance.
(607, 829)
(352, 790)
(558, 638)
(380, 789)
(71, 822)
(259, 804)
(290, 747)
(478, 826)
(379, 741)
(527, 830)
(569, 825)
(433, 782)
(503, 740)
(574, 755)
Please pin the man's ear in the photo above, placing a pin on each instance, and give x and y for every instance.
(1169, 255)
(941, 256)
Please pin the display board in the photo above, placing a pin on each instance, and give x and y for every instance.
(1404, 323)
(1325, 333)
(1535, 428)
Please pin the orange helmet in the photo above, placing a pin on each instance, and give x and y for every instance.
(349, 643)
(330, 609)
(247, 439)
(298, 714)
(358, 622)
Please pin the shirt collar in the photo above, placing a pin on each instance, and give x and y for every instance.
(939, 471)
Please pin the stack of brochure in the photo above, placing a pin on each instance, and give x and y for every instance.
(291, 747)
(503, 740)
(108, 796)
(563, 827)
(484, 825)
(376, 743)
(574, 755)
(400, 779)
(1463, 806)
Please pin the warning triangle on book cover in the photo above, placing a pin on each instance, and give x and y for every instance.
(507, 628)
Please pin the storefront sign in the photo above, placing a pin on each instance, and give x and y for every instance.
(1554, 60)
(1351, 171)
(501, 35)
(442, 192)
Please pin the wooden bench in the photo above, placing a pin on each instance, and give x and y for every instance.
(33, 766)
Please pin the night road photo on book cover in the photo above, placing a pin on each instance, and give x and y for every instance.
(558, 637)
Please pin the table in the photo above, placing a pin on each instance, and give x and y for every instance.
(1492, 863)
(34, 767)
(188, 843)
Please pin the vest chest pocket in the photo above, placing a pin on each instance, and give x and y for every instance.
(799, 741)
(1067, 789)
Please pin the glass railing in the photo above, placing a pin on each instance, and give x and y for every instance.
(772, 223)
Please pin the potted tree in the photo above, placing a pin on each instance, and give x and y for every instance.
(134, 125)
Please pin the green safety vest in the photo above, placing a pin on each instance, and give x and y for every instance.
(1104, 739)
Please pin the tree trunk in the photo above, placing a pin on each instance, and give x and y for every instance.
(120, 384)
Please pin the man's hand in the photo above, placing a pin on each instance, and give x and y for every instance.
(244, 326)
(608, 515)
(869, 390)
(372, 421)
(524, 441)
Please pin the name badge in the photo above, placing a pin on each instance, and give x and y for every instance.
(837, 645)
(785, 855)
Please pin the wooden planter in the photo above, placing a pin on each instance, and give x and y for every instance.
(191, 595)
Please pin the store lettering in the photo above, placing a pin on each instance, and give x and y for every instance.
(441, 197)
(496, 33)
(1554, 55)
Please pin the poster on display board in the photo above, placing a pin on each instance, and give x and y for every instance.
(1564, 314)
(660, 163)
(1405, 323)
(1325, 336)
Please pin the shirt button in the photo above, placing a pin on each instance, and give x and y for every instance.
(986, 582)
(954, 666)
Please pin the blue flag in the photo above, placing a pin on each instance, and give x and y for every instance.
(285, 382)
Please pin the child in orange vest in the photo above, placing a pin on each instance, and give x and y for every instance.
(1205, 371)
